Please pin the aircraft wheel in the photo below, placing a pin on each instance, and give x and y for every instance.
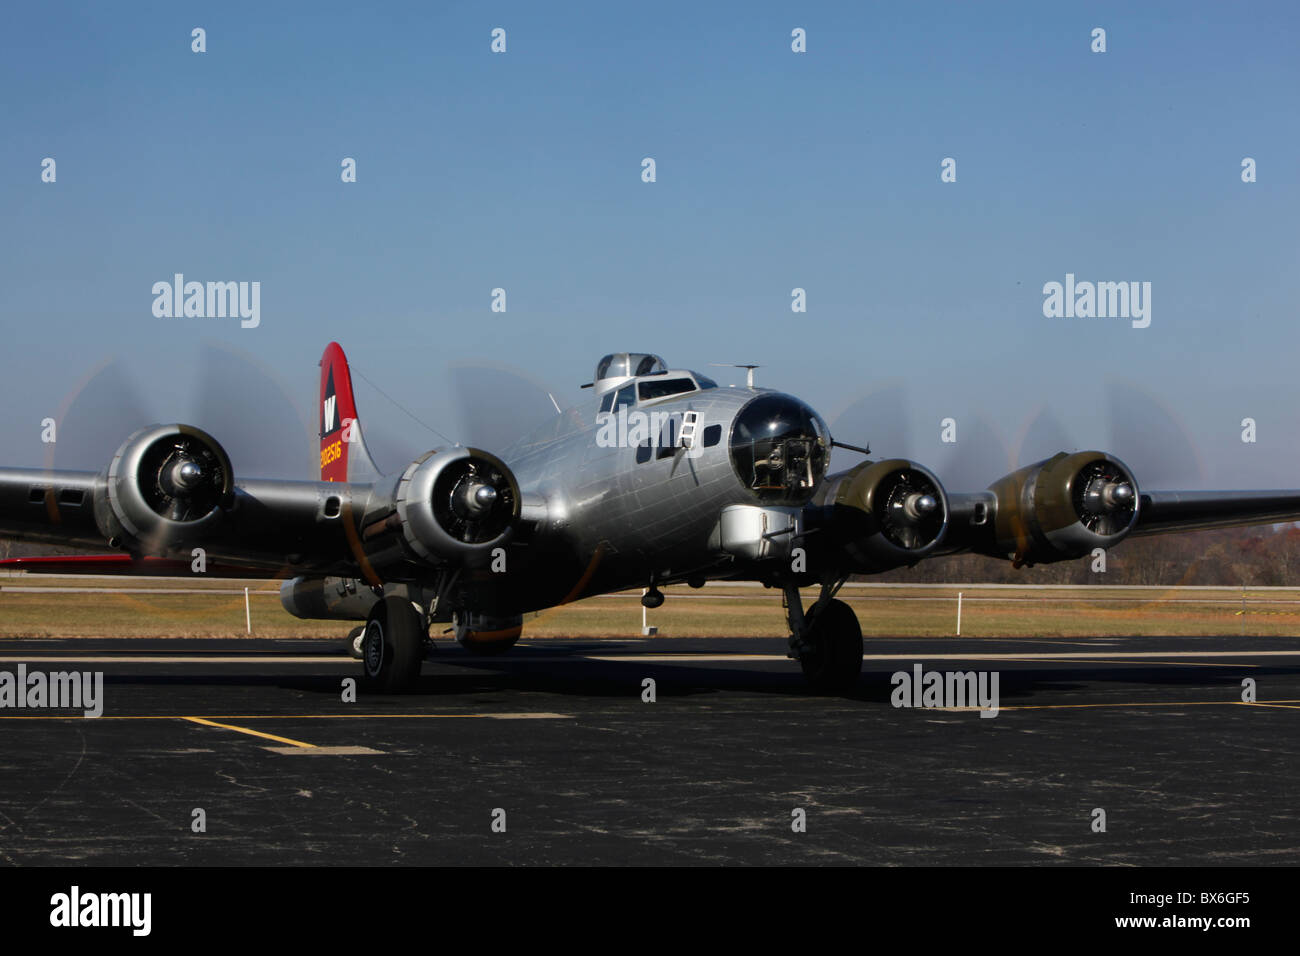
(355, 642)
(392, 645)
(832, 660)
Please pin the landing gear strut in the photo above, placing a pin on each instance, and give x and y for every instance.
(827, 640)
(392, 645)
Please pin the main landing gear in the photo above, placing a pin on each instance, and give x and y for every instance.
(826, 640)
(392, 645)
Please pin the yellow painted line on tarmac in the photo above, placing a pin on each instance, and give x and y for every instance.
(252, 733)
(1291, 705)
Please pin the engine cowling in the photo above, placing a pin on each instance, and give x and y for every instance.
(888, 513)
(1064, 507)
(456, 505)
(165, 488)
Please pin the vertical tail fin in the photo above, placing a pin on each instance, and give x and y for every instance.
(343, 455)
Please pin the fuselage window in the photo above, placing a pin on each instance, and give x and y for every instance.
(668, 433)
(662, 389)
(712, 435)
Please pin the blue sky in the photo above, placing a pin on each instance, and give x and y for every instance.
(775, 170)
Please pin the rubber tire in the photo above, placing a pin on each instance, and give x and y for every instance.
(833, 665)
(354, 642)
(393, 646)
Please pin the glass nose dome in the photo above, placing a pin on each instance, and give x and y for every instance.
(779, 449)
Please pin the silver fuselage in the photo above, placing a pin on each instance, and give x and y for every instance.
(612, 517)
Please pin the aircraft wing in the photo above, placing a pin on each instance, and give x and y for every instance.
(170, 489)
(293, 526)
(1162, 511)
(890, 513)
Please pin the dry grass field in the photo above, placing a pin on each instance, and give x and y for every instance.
(36, 606)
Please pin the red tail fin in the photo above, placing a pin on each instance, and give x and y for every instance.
(343, 455)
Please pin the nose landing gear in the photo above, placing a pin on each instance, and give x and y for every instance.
(826, 641)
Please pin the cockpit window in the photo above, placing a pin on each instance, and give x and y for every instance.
(662, 389)
(626, 397)
(607, 402)
(647, 365)
(705, 382)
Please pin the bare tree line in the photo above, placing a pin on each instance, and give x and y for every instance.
(1235, 557)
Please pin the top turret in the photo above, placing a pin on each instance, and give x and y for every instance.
(613, 370)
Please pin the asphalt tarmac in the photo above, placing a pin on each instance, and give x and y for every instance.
(550, 755)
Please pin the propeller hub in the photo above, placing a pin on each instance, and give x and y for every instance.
(187, 474)
(1119, 494)
(916, 506)
(476, 499)
(1107, 497)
